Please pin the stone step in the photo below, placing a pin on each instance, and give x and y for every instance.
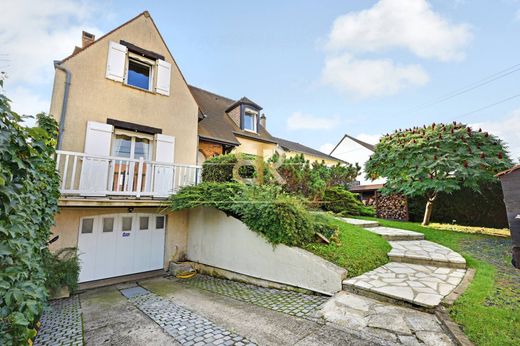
(396, 234)
(425, 252)
(360, 223)
(412, 284)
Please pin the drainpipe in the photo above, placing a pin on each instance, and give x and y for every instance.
(65, 102)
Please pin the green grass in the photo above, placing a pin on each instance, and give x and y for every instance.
(359, 251)
(489, 310)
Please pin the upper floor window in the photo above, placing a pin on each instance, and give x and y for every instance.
(250, 120)
(139, 74)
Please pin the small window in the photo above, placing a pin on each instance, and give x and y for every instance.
(250, 120)
(139, 74)
(143, 222)
(87, 225)
(127, 224)
(159, 222)
(108, 224)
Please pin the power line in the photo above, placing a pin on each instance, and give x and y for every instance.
(472, 86)
(489, 105)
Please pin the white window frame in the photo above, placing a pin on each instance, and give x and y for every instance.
(142, 61)
(254, 114)
(133, 136)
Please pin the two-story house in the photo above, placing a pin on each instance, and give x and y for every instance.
(239, 126)
(132, 132)
(128, 139)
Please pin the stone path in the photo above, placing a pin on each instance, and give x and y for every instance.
(61, 323)
(425, 252)
(418, 284)
(288, 302)
(394, 324)
(185, 326)
(421, 273)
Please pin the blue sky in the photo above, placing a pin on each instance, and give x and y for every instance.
(319, 68)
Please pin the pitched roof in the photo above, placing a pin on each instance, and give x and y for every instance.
(246, 101)
(510, 170)
(217, 124)
(294, 146)
(366, 145)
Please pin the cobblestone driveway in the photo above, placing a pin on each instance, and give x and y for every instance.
(288, 302)
(61, 323)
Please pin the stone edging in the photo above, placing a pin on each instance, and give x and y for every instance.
(461, 287)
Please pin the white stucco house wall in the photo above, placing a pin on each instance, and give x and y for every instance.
(353, 150)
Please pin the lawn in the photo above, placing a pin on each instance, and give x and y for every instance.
(489, 310)
(359, 251)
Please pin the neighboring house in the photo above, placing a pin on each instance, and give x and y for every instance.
(238, 126)
(354, 151)
(128, 139)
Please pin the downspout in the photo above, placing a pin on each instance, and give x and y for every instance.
(65, 102)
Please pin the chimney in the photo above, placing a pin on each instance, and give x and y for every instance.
(86, 39)
(263, 120)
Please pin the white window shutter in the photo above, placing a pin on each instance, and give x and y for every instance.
(165, 148)
(94, 171)
(164, 70)
(116, 61)
(164, 174)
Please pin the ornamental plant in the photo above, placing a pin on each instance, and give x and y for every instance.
(424, 161)
(28, 201)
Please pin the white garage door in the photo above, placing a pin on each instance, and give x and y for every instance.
(120, 244)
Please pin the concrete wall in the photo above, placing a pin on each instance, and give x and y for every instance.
(312, 158)
(224, 242)
(250, 146)
(68, 219)
(94, 97)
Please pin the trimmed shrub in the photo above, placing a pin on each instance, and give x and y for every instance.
(28, 201)
(219, 169)
(265, 209)
(339, 200)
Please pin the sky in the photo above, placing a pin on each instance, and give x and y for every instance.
(319, 69)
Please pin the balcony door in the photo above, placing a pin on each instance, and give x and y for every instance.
(128, 149)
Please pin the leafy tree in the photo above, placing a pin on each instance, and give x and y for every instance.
(437, 158)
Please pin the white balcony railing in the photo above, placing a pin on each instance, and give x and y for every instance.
(89, 175)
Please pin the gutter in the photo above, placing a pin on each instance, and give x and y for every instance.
(65, 102)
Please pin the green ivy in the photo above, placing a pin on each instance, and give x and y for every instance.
(28, 201)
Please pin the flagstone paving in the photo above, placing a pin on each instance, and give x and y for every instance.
(360, 223)
(425, 252)
(394, 324)
(61, 323)
(414, 283)
(395, 234)
(185, 326)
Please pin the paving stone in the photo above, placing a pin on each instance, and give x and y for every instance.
(395, 234)
(179, 322)
(360, 223)
(391, 322)
(288, 302)
(425, 252)
(61, 323)
(434, 339)
(421, 284)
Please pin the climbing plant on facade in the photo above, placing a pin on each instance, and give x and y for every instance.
(28, 201)
(424, 161)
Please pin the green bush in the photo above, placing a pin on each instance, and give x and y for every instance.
(62, 269)
(219, 169)
(339, 200)
(28, 201)
(265, 209)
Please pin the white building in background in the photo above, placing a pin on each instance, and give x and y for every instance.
(353, 150)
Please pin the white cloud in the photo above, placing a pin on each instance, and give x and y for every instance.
(327, 148)
(25, 102)
(34, 33)
(302, 121)
(412, 25)
(507, 129)
(365, 78)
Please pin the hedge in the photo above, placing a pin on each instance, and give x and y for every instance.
(28, 201)
(465, 207)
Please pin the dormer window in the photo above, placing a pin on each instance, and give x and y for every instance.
(250, 120)
(139, 73)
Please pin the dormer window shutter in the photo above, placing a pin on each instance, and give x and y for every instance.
(116, 61)
(163, 77)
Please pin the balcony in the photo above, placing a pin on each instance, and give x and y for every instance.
(86, 175)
